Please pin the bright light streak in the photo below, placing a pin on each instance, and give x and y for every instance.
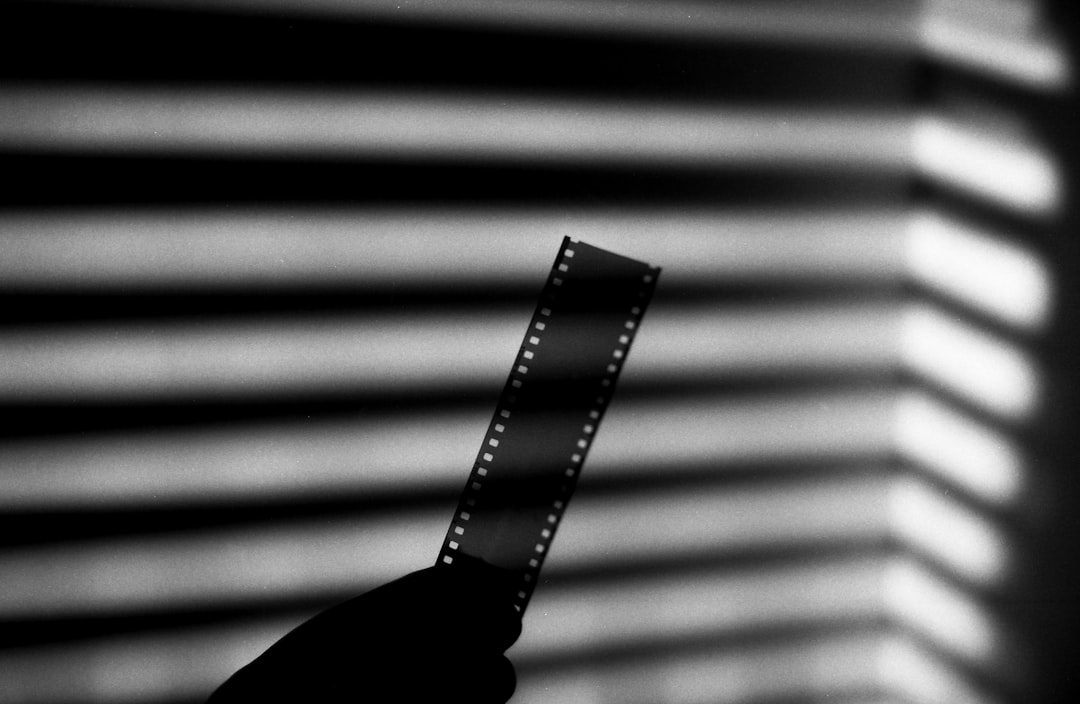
(987, 371)
(245, 357)
(1015, 173)
(661, 524)
(230, 566)
(943, 614)
(915, 675)
(807, 668)
(320, 458)
(345, 555)
(263, 462)
(981, 269)
(618, 613)
(1008, 52)
(797, 427)
(964, 542)
(420, 353)
(186, 664)
(479, 127)
(964, 453)
(1017, 17)
(882, 26)
(281, 248)
(717, 343)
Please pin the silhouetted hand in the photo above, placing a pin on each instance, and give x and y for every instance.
(435, 635)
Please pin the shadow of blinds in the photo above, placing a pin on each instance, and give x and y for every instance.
(264, 265)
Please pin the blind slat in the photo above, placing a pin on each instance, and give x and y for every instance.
(160, 667)
(194, 249)
(347, 555)
(269, 250)
(1003, 166)
(321, 457)
(370, 124)
(411, 352)
(880, 26)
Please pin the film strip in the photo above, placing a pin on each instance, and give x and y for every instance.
(549, 412)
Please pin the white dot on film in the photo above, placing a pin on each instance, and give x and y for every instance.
(482, 471)
(453, 545)
(522, 595)
(647, 278)
(617, 354)
(594, 414)
(612, 368)
(629, 325)
(569, 253)
(624, 339)
(522, 369)
(558, 505)
(488, 456)
(534, 340)
(635, 310)
(539, 326)
(569, 471)
(517, 607)
(575, 457)
(499, 427)
(557, 281)
(546, 533)
(476, 486)
(588, 429)
(563, 267)
(516, 383)
(528, 355)
(581, 443)
(545, 311)
(552, 518)
(447, 559)
(465, 515)
(534, 562)
(504, 413)
(493, 442)
(539, 547)
(459, 530)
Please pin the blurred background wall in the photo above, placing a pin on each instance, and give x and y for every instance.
(264, 267)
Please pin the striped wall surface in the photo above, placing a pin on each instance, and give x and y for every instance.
(265, 265)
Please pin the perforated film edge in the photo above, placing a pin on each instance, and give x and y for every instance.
(503, 416)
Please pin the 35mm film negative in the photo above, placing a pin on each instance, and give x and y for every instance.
(549, 411)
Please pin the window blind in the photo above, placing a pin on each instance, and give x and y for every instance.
(264, 265)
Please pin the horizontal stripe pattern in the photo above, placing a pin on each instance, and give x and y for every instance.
(259, 563)
(877, 25)
(425, 450)
(262, 407)
(432, 126)
(410, 353)
(265, 248)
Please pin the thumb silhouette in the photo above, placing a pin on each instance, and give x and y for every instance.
(439, 632)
